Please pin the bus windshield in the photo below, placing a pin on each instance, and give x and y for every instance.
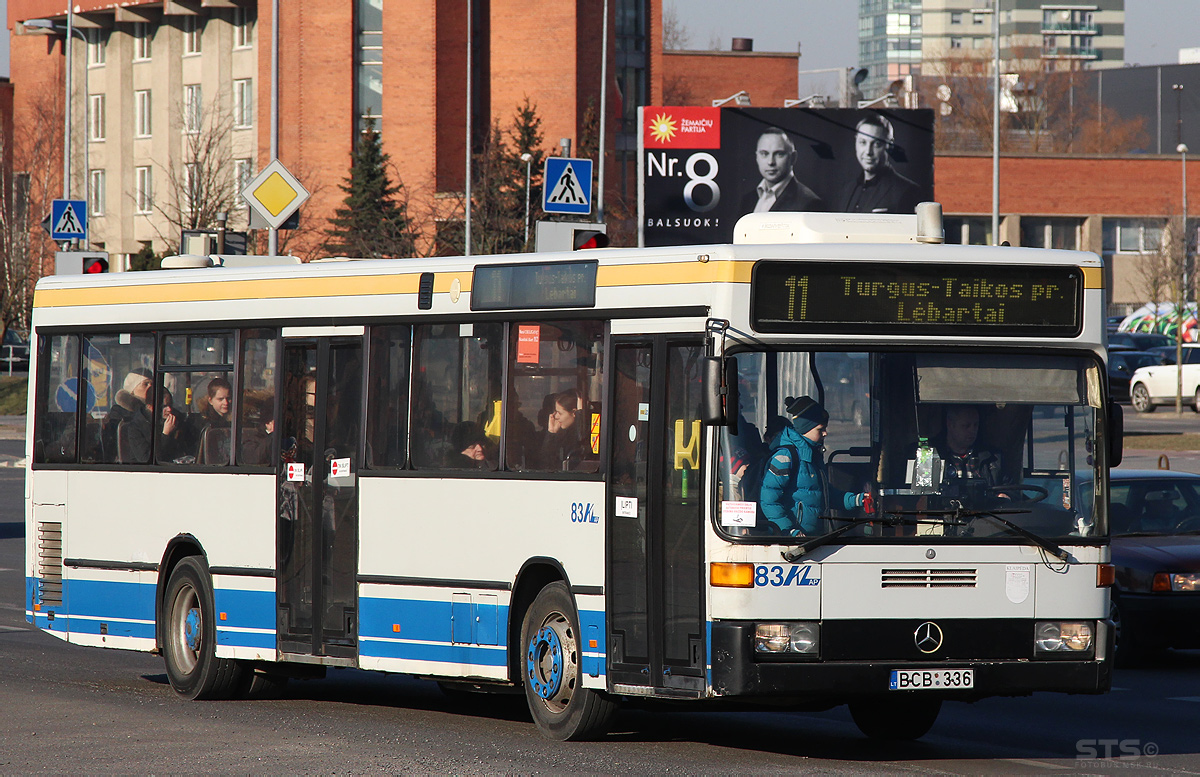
(944, 445)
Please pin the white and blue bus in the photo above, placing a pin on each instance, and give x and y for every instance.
(535, 472)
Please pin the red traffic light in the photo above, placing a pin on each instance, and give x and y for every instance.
(589, 238)
(92, 265)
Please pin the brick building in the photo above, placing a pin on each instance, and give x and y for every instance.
(151, 75)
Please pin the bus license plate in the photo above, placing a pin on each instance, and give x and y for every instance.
(931, 679)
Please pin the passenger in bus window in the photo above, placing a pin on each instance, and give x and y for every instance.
(214, 423)
(562, 447)
(795, 493)
(469, 447)
(259, 434)
(174, 441)
(125, 437)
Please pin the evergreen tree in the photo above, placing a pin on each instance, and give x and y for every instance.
(498, 188)
(373, 221)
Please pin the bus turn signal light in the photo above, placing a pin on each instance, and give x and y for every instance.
(723, 574)
(1106, 575)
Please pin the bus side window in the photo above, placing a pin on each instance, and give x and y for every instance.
(256, 403)
(57, 399)
(119, 375)
(457, 375)
(387, 396)
(555, 391)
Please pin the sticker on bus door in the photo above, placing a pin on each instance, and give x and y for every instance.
(295, 472)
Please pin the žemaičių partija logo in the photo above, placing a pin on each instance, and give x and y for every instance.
(681, 127)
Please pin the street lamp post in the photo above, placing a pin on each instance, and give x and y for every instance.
(1181, 298)
(527, 158)
(69, 31)
(995, 12)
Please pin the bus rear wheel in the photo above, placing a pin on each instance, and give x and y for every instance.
(551, 670)
(895, 719)
(190, 638)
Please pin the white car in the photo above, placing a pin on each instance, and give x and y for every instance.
(1152, 386)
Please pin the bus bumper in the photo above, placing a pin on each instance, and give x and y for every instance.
(739, 673)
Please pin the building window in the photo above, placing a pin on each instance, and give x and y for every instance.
(144, 193)
(1132, 236)
(96, 192)
(979, 18)
(243, 28)
(1050, 232)
(956, 17)
(143, 34)
(243, 102)
(141, 109)
(956, 43)
(243, 171)
(193, 30)
(191, 187)
(968, 230)
(193, 111)
(369, 68)
(96, 47)
(95, 117)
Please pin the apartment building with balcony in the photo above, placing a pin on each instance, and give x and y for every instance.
(899, 38)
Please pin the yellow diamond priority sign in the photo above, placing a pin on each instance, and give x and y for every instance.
(275, 194)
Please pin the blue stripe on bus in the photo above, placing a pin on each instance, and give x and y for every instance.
(426, 626)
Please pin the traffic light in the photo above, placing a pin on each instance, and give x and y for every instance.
(570, 235)
(94, 264)
(80, 262)
(588, 238)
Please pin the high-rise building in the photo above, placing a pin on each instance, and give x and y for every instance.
(898, 38)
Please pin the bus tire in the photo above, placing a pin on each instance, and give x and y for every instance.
(551, 672)
(895, 719)
(190, 638)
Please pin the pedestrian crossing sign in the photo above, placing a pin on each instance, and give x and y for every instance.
(68, 220)
(567, 186)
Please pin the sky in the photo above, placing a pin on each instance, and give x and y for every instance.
(826, 31)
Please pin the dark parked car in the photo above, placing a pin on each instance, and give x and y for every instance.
(14, 357)
(1112, 323)
(1191, 353)
(1121, 364)
(1154, 518)
(1140, 340)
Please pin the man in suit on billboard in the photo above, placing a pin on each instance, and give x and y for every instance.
(778, 190)
(878, 188)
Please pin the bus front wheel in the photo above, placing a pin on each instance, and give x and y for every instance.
(190, 638)
(895, 719)
(551, 670)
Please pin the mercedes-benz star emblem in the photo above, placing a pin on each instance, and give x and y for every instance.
(928, 637)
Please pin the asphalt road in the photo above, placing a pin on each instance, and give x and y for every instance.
(86, 710)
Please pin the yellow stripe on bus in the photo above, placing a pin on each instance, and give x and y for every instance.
(692, 271)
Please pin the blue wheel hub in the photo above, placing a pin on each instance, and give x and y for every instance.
(191, 629)
(544, 663)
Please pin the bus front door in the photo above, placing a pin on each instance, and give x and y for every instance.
(655, 570)
(317, 496)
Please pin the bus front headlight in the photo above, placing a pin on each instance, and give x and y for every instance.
(1062, 636)
(801, 637)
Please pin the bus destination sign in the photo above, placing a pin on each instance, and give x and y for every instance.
(893, 297)
(534, 285)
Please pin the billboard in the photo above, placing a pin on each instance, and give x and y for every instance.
(701, 169)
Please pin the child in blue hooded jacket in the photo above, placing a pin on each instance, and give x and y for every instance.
(795, 489)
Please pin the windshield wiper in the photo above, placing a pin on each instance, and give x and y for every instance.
(889, 518)
(960, 513)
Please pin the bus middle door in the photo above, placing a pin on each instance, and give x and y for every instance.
(317, 497)
(655, 573)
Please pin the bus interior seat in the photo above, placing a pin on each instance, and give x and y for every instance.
(214, 446)
(124, 447)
